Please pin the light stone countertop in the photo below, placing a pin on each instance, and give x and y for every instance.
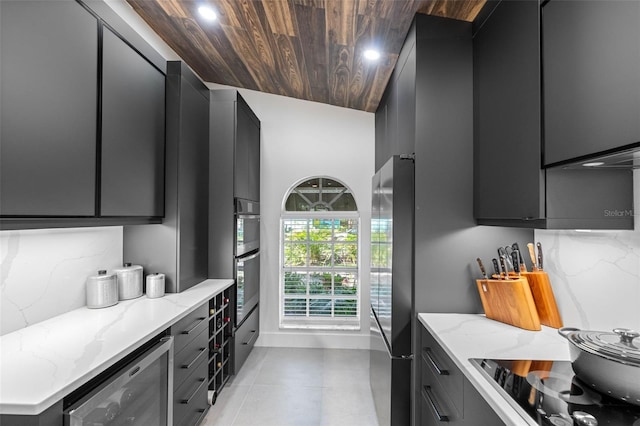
(465, 336)
(42, 363)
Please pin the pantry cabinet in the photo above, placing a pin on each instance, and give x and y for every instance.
(179, 246)
(591, 77)
(82, 119)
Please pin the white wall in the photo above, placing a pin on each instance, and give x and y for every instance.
(302, 139)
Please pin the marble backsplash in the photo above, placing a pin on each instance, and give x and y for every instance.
(43, 272)
(596, 275)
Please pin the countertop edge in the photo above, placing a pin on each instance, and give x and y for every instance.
(207, 288)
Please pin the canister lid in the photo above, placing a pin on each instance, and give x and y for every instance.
(622, 345)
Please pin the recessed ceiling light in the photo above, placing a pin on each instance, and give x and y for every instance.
(207, 13)
(594, 164)
(372, 54)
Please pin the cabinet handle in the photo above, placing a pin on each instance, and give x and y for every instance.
(428, 395)
(189, 365)
(195, 392)
(198, 322)
(434, 365)
(254, 335)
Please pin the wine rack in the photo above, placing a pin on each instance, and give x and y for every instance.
(220, 331)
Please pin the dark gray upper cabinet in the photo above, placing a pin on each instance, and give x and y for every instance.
(511, 187)
(591, 77)
(133, 125)
(82, 118)
(247, 153)
(49, 59)
(508, 181)
(394, 116)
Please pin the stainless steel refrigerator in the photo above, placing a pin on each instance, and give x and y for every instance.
(392, 219)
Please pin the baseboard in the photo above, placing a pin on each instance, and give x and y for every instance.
(313, 340)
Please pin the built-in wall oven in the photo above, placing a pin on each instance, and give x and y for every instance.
(139, 393)
(247, 258)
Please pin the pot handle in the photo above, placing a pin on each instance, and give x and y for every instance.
(565, 331)
(626, 335)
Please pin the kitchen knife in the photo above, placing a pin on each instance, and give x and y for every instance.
(516, 263)
(508, 250)
(503, 263)
(523, 266)
(484, 272)
(540, 256)
(496, 267)
(532, 254)
(502, 254)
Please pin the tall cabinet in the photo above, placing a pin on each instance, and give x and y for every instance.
(234, 181)
(179, 246)
(433, 84)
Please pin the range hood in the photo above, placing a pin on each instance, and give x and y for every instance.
(627, 158)
(593, 192)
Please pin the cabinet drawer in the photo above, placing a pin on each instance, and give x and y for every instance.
(436, 407)
(435, 360)
(191, 396)
(189, 357)
(245, 338)
(188, 327)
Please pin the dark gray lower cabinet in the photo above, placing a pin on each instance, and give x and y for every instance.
(190, 351)
(48, 63)
(445, 395)
(245, 338)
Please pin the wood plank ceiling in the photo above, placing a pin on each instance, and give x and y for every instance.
(306, 49)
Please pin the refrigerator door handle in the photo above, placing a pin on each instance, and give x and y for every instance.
(386, 343)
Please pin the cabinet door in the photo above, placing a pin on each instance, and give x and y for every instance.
(133, 123)
(508, 183)
(381, 154)
(247, 153)
(49, 54)
(591, 77)
(193, 185)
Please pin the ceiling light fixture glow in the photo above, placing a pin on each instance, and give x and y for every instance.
(593, 164)
(372, 54)
(207, 13)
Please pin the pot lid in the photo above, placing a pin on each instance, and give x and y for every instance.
(623, 345)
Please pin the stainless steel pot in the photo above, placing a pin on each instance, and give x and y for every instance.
(608, 362)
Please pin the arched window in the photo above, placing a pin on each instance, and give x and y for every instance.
(319, 283)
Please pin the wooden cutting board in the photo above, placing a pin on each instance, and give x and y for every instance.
(509, 301)
(544, 299)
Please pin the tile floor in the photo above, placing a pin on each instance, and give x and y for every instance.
(297, 387)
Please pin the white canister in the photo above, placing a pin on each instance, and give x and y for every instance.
(102, 290)
(155, 285)
(129, 281)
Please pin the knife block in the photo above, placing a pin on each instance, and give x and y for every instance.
(509, 301)
(544, 299)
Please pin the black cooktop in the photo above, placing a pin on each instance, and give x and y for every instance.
(549, 393)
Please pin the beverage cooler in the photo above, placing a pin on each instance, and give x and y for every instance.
(141, 393)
